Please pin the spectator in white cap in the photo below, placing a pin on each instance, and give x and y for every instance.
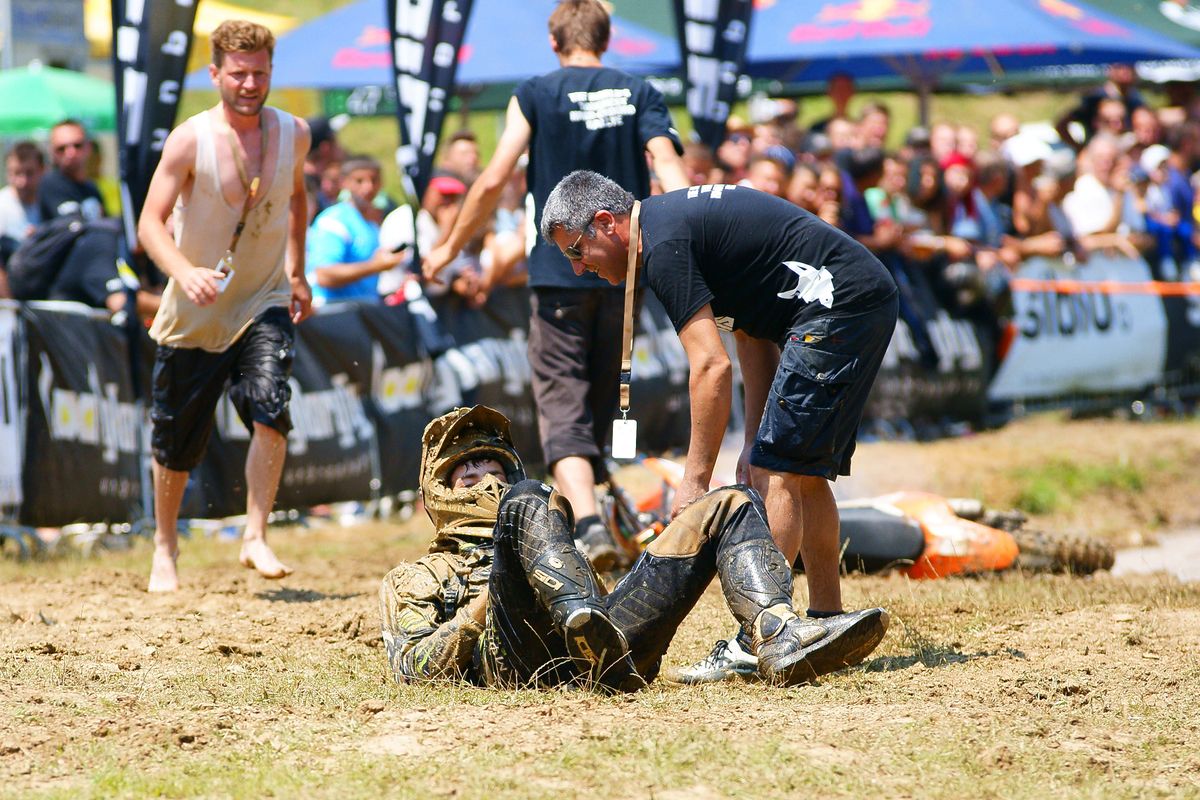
(1026, 153)
(1167, 204)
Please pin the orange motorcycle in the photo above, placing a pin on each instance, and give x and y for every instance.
(919, 534)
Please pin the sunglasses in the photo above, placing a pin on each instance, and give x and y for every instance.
(572, 251)
(62, 148)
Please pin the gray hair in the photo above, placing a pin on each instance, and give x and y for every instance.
(577, 198)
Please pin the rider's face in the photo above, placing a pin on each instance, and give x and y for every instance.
(472, 471)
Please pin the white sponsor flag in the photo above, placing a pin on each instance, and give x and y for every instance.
(10, 433)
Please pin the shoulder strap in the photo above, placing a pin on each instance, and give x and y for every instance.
(627, 331)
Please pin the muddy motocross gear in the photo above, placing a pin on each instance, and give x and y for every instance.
(548, 620)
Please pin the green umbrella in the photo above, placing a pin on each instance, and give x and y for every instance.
(33, 98)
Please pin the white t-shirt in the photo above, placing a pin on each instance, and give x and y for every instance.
(1089, 206)
(16, 219)
(396, 229)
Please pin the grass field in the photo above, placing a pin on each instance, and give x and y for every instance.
(1012, 686)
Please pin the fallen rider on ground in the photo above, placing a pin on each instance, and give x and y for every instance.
(505, 599)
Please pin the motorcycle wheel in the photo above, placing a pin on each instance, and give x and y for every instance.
(1060, 553)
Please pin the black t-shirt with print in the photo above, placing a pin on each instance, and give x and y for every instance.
(59, 196)
(763, 263)
(586, 118)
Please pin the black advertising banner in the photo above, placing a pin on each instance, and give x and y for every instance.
(658, 396)
(83, 427)
(151, 42)
(400, 380)
(1182, 362)
(331, 449)
(937, 365)
(489, 364)
(426, 37)
(712, 46)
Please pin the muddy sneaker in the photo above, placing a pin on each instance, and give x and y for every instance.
(794, 650)
(727, 661)
(596, 542)
(593, 640)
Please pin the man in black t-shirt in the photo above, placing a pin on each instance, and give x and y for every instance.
(583, 115)
(89, 272)
(812, 312)
(66, 189)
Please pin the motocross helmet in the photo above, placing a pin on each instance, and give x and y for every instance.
(466, 517)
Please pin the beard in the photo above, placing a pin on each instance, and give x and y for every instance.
(243, 106)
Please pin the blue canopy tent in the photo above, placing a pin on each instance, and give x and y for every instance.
(505, 42)
(927, 40)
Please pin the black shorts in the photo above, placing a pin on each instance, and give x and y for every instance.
(575, 358)
(188, 383)
(826, 370)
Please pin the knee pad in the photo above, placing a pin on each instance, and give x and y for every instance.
(530, 511)
(754, 576)
(703, 521)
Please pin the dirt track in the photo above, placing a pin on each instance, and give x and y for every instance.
(236, 686)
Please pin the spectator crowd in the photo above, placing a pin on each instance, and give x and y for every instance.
(1112, 174)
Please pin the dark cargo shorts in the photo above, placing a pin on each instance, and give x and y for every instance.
(188, 383)
(575, 357)
(826, 369)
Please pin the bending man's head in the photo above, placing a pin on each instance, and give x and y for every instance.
(580, 219)
(468, 461)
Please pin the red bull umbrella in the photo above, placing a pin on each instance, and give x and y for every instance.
(926, 40)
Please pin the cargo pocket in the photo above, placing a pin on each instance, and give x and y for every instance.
(799, 419)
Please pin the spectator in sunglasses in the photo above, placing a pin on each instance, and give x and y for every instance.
(67, 189)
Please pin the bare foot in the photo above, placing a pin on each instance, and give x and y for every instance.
(257, 555)
(163, 577)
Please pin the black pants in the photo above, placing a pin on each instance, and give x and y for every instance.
(724, 533)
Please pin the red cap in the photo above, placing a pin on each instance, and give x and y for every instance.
(956, 159)
(447, 185)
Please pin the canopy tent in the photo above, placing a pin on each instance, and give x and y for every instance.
(1178, 19)
(33, 98)
(505, 42)
(926, 40)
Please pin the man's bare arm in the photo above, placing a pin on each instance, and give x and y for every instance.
(758, 358)
(485, 193)
(667, 164)
(199, 282)
(332, 276)
(710, 386)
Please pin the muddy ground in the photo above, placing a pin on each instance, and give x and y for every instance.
(1016, 685)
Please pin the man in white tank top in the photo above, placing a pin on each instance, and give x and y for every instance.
(233, 177)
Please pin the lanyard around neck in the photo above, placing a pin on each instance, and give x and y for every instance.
(249, 184)
(627, 331)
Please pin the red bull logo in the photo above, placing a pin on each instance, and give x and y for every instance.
(866, 19)
(371, 49)
(1081, 19)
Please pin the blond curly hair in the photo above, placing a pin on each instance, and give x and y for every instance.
(240, 36)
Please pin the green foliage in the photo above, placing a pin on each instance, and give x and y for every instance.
(1056, 485)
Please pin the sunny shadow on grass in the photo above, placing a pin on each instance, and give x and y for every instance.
(928, 653)
(286, 595)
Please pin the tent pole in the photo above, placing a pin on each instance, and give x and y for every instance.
(923, 96)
